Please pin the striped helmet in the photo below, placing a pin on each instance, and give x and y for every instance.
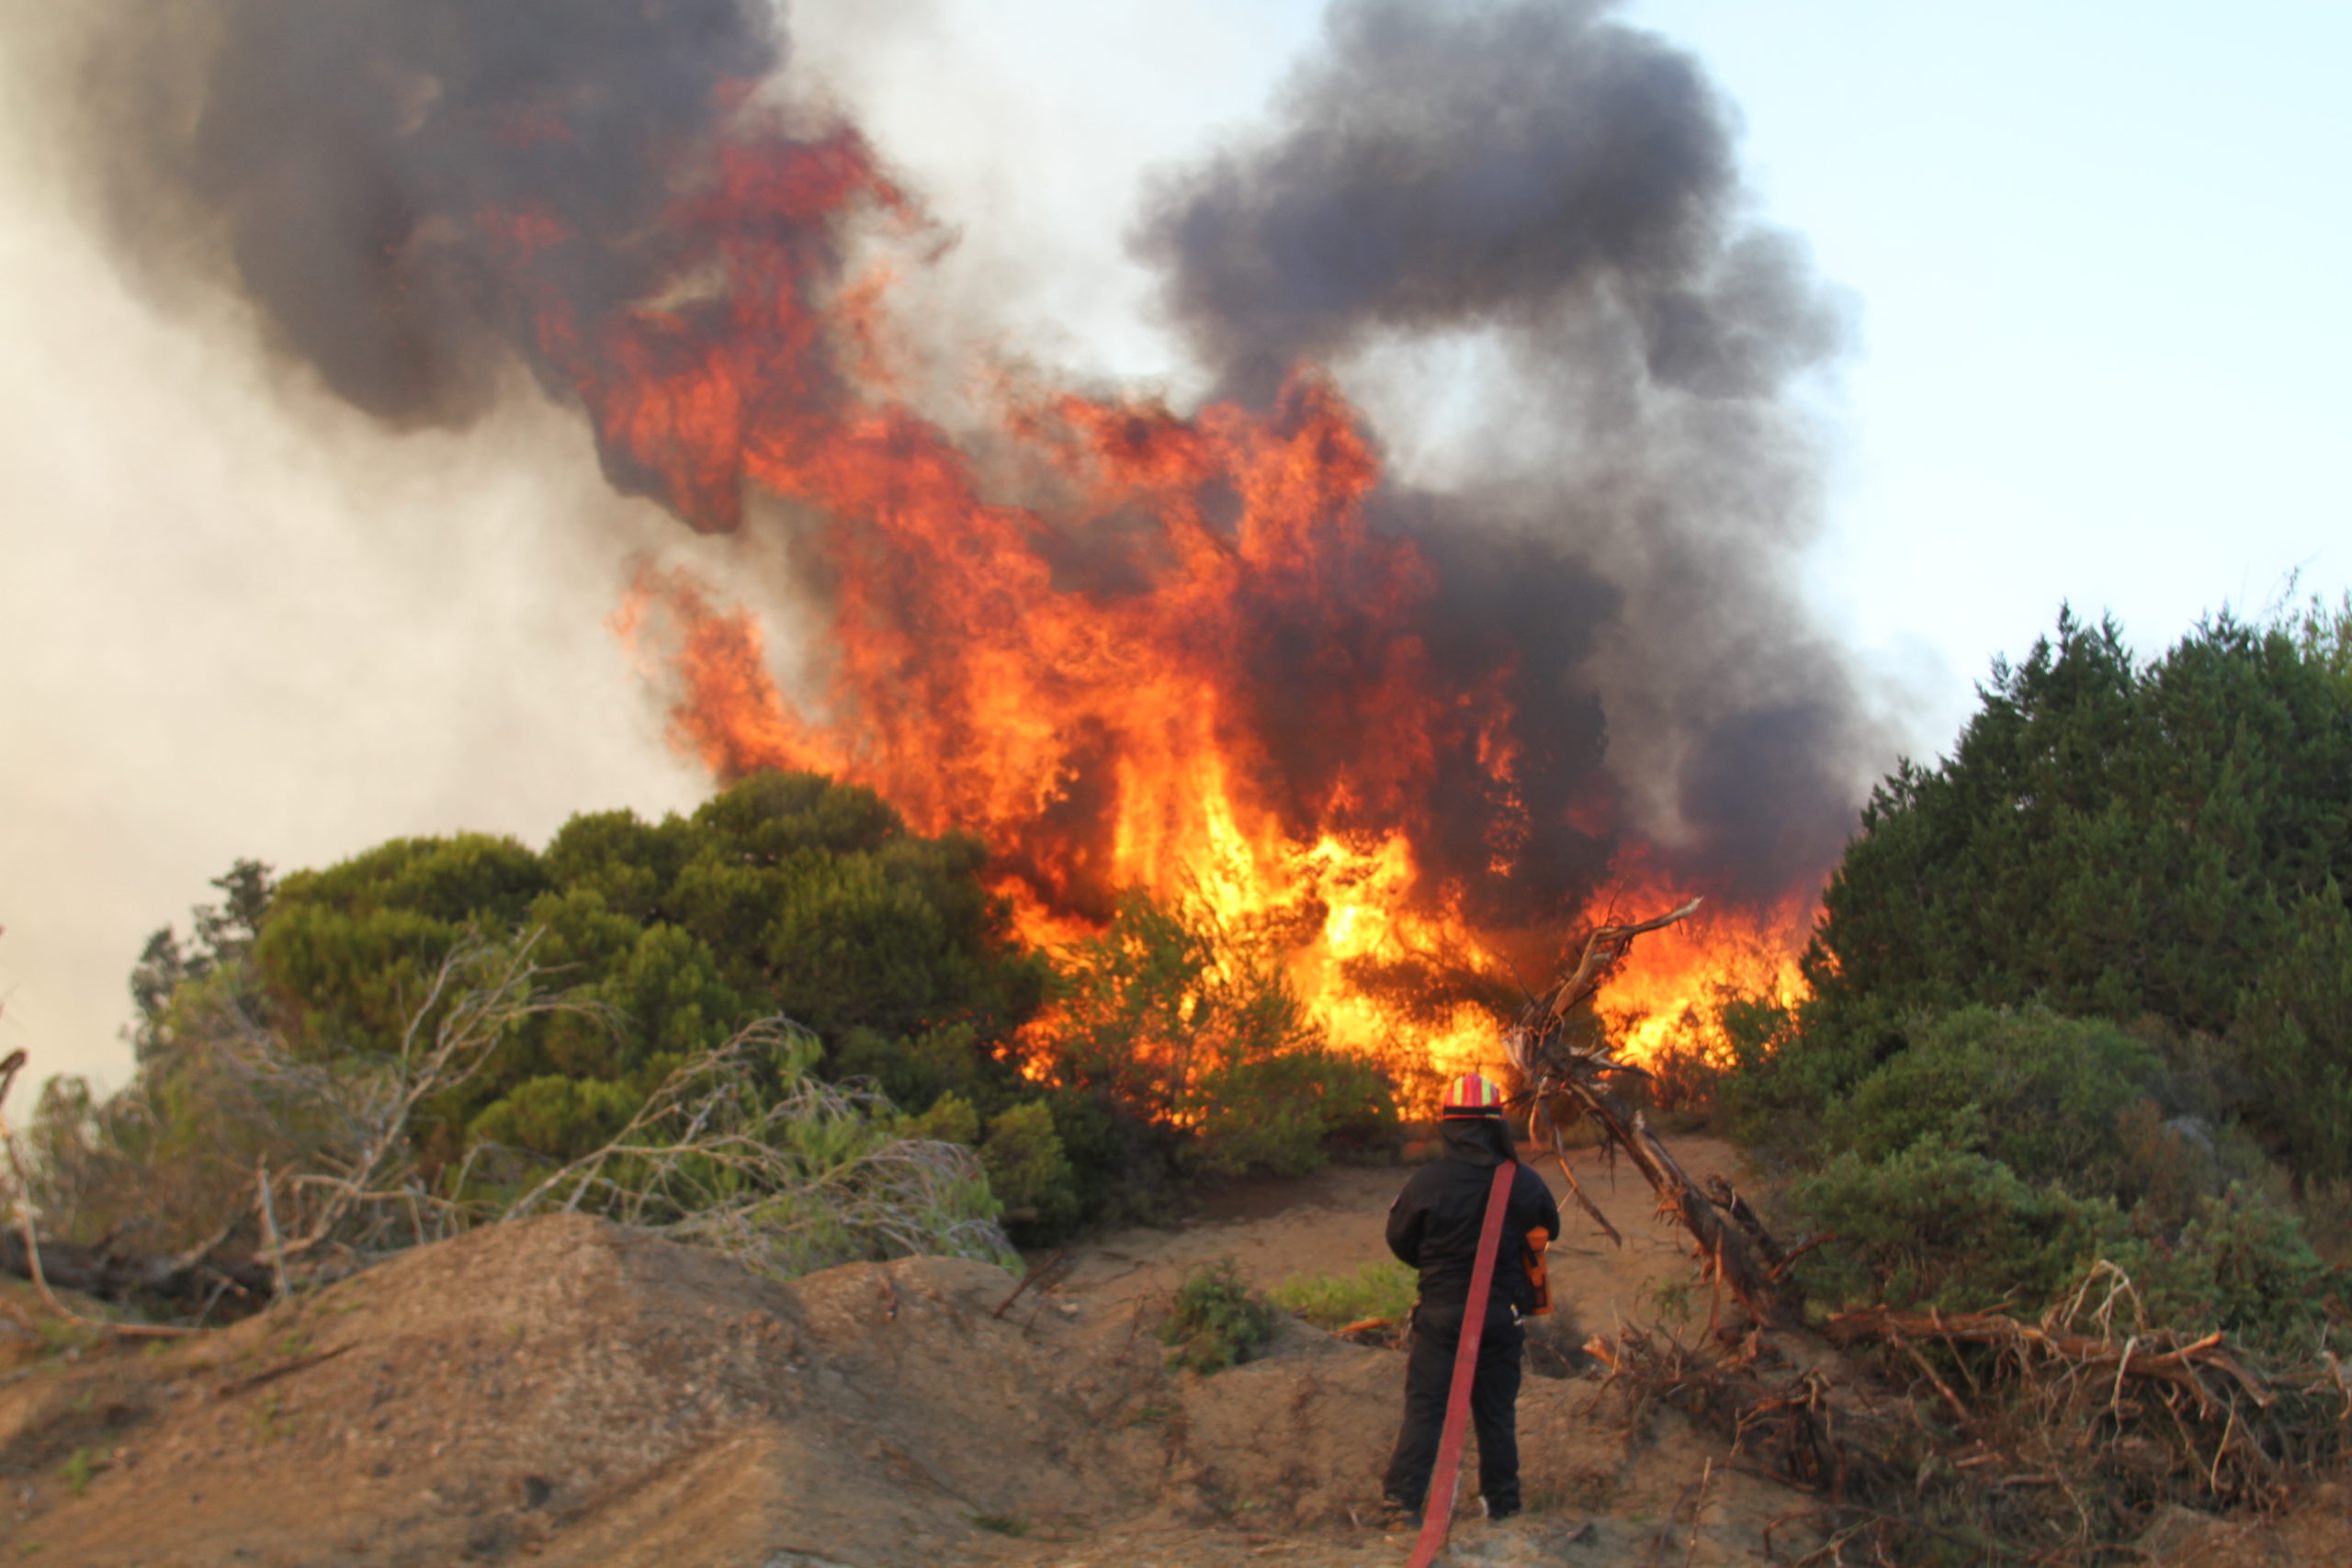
(1471, 1094)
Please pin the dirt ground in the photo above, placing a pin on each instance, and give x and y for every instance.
(572, 1392)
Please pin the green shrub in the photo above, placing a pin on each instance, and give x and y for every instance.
(2120, 839)
(949, 1120)
(2294, 1035)
(1950, 1228)
(1383, 1288)
(1280, 1114)
(1935, 1226)
(1030, 1172)
(1170, 1021)
(2241, 1264)
(2040, 1094)
(1215, 1320)
(557, 1117)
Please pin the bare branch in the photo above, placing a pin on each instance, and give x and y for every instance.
(784, 1179)
(1570, 1078)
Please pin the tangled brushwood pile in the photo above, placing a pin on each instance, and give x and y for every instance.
(1981, 1438)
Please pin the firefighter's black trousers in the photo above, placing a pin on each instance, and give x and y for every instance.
(1494, 1404)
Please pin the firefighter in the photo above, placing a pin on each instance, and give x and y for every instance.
(1433, 1226)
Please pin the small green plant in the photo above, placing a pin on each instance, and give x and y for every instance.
(1671, 1298)
(267, 1417)
(1029, 1169)
(1000, 1524)
(66, 1338)
(75, 1472)
(1383, 1288)
(1215, 1320)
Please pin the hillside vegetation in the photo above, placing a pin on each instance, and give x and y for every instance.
(783, 1003)
(2083, 990)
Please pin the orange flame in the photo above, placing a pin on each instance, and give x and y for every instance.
(1187, 662)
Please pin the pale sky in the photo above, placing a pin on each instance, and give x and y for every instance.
(2097, 252)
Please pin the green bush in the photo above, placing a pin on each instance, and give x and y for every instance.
(2113, 839)
(1998, 1153)
(2241, 1264)
(2040, 1094)
(1951, 1228)
(785, 894)
(1172, 1021)
(1935, 1226)
(1279, 1116)
(557, 1117)
(2295, 1028)
(1383, 1288)
(1215, 1320)
(949, 1120)
(1030, 1171)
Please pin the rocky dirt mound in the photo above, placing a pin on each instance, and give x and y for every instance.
(573, 1391)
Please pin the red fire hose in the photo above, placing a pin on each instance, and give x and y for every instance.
(1439, 1517)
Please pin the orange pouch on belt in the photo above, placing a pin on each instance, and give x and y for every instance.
(1537, 1240)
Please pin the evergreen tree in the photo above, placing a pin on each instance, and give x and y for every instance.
(2163, 845)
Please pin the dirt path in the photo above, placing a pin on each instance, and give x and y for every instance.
(571, 1393)
(1332, 1223)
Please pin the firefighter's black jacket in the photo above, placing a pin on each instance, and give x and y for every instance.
(1433, 1226)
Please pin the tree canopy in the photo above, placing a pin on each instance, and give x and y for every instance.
(1088, 1083)
(2083, 988)
(2169, 842)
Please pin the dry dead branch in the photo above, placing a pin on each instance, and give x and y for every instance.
(361, 1191)
(1793, 1429)
(2080, 1391)
(784, 1178)
(1567, 1077)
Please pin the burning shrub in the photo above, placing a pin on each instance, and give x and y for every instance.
(1181, 1025)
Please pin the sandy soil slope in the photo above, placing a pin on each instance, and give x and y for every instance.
(576, 1393)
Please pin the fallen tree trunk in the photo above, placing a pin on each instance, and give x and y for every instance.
(1564, 1077)
(96, 1272)
(106, 1275)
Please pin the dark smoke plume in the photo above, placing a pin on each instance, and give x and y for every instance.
(409, 191)
(1539, 178)
(1564, 186)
